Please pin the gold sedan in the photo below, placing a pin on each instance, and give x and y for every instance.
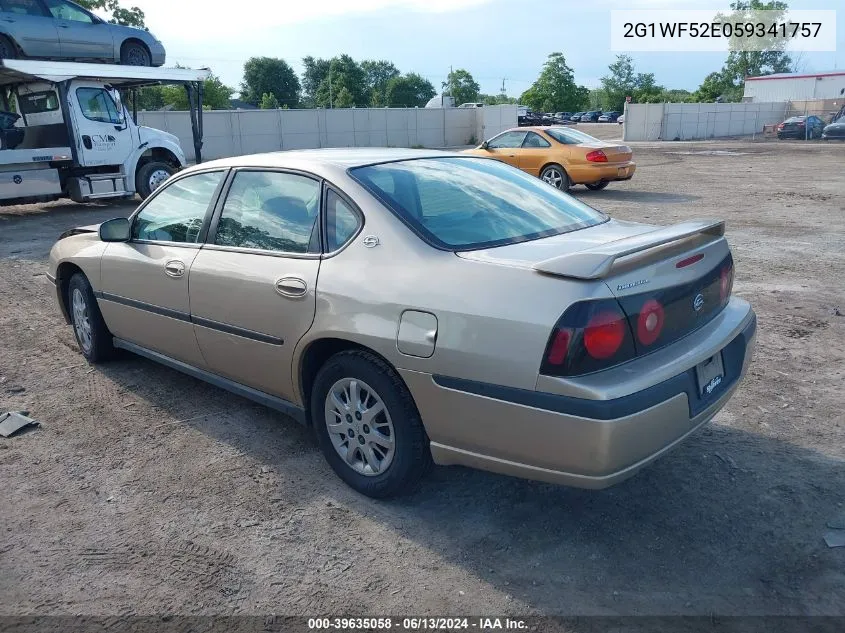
(561, 156)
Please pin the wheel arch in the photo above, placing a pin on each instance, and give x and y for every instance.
(13, 42)
(64, 272)
(315, 354)
(134, 40)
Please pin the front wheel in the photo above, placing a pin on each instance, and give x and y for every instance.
(94, 339)
(369, 428)
(597, 186)
(555, 176)
(135, 54)
(150, 177)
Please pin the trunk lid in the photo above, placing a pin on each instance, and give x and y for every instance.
(681, 269)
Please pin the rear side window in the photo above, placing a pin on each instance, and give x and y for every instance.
(341, 221)
(66, 11)
(270, 211)
(470, 203)
(177, 212)
(36, 102)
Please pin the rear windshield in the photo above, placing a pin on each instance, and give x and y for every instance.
(37, 102)
(568, 136)
(469, 203)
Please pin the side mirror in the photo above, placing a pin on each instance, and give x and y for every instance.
(116, 230)
(484, 145)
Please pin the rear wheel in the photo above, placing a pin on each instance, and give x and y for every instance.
(596, 186)
(135, 54)
(556, 176)
(150, 177)
(94, 339)
(369, 428)
(8, 50)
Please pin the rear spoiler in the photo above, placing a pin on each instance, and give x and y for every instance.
(595, 263)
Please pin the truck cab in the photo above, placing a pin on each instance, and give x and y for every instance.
(70, 135)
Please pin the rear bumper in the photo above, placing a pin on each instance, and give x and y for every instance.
(584, 174)
(565, 440)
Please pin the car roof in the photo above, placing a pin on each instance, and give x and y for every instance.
(345, 158)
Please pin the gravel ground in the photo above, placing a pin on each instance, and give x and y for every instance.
(148, 492)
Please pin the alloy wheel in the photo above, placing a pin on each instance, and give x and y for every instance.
(360, 427)
(158, 177)
(81, 321)
(553, 177)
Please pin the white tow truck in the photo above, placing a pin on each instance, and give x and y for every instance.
(66, 133)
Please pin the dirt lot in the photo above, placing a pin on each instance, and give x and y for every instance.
(145, 491)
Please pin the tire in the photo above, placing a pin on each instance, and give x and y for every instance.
(598, 186)
(93, 337)
(556, 176)
(8, 50)
(150, 176)
(377, 472)
(135, 54)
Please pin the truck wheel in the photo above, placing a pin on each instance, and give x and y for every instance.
(8, 50)
(135, 54)
(150, 176)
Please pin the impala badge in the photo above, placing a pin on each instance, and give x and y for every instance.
(371, 241)
(698, 302)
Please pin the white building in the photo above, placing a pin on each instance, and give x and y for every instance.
(795, 87)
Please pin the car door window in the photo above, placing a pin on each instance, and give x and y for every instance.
(177, 212)
(270, 211)
(507, 140)
(535, 140)
(341, 221)
(66, 11)
(97, 105)
(22, 7)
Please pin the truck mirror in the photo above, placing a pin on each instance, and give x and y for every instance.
(116, 230)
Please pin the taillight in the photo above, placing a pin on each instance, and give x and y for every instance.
(596, 156)
(650, 322)
(780, 126)
(590, 336)
(726, 281)
(559, 347)
(604, 334)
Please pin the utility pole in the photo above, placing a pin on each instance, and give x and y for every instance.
(330, 85)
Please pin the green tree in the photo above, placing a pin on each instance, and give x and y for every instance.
(377, 74)
(215, 96)
(555, 89)
(269, 74)
(343, 72)
(498, 99)
(623, 82)
(132, 16)
(408, 91)
(268, 101)
(461, 86)
(344, 98)
(315, 71)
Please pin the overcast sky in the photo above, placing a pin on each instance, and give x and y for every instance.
(493, 39)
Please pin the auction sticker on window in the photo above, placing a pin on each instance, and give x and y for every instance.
(703, 30)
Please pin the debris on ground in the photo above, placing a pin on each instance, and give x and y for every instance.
(835, 539)
(13, 421)
(838, 523)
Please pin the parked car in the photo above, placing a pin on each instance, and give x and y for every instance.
(620, 119)
(563, 116)
(590, 117)
(609, 117)
(576, 117)
(800, 127)
(58, 29)
(530, 118)
(561, 156)
(246, 272)
(471, 105)
(835, 130)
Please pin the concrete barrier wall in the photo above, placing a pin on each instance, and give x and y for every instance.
(237, 132)
(689, 121)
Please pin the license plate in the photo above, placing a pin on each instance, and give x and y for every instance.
(710, 375)
(622, 172)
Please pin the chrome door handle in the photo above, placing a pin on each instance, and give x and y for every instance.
(174, 268)
(291, 287)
